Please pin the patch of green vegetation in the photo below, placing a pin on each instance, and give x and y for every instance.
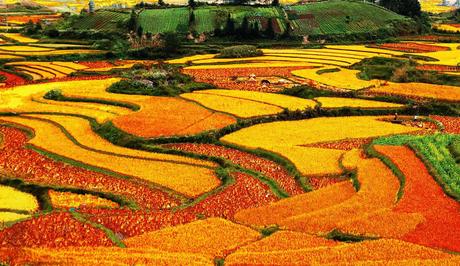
(434, 152)
(164, 20)
(308, 92)
(454, 148)
(268, 231)
(240, 51)
(328, 70)
(100, 20)
(401, 70)
(337, 235)
(164, 81)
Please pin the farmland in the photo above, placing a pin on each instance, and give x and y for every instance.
(287, 148)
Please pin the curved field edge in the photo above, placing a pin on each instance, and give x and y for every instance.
(433, 150)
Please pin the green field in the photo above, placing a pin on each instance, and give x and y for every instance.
(165, 20)
(336, 17)
(322, 18)
(101, 20)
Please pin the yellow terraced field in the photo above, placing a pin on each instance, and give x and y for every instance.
(18, 37)
(254, 64)
(24, 48)
(286, 138)
(11, 198)
(36, 73)
(378, 190)
(284, 101)
(344, 79)
(28, 98)
(334, 102)
(239, 107)
(189, 179)
(11, 216)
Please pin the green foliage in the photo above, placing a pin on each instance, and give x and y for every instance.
(337, 235)
(401, 70)
(434, 151)
(106, 20)
(454, 148)
(409, 8)
(267, 231)
(165, 81)
(239, 51)
(308, 92)
(327, 70)
(53, 95)
(165, 20)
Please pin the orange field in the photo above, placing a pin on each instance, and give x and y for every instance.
(170, 116)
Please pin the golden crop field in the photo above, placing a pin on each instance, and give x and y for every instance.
(191, 179)
(334, 102)
(287, 138)
(14, 199)
(235, 106)
(19, 38)
(283, 101)
(249, 135)
(343, 78)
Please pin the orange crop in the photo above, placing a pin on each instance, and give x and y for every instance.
(166, 116)
(278, 211)
(214, 236)
(423, 195)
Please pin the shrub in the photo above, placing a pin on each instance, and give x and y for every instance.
(53, 95)
(240, 51)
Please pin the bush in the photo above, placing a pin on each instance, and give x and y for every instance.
(240, 51)
(53, 95)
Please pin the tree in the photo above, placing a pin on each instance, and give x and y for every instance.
(191, 3)
(270, 31)
(275, 2)
(409, 8)
(245, 29)
(139, 31)
(191, 18)
(132, 22)
(171, 42)
(229, 28)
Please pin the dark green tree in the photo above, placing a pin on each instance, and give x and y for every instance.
(270, 31)
(171, 42)
(139, 31)
(229, 28)
(191, 3)
(409, 8)
(132, 22)
(275, 2)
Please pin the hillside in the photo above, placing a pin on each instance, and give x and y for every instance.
(316, 19)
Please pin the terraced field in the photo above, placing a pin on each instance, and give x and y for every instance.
(290, 158)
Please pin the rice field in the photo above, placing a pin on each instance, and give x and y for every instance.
(289, 157)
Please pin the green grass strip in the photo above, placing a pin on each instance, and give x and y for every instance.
(109, 233)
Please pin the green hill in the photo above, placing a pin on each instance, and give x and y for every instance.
(105, 20)
(332, 17)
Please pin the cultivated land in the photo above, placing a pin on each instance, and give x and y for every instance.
(282, 154)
